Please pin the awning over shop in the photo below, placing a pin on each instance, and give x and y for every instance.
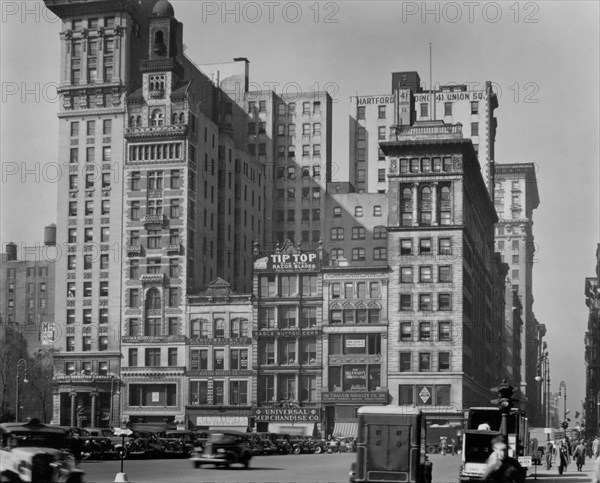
(347, 430)
(300, 429)
(237, 423)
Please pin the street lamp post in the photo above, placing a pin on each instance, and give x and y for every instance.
(543, 375)
(113, 380)
(20, 363)
(563, 385)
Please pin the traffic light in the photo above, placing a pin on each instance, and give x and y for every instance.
(505, 394)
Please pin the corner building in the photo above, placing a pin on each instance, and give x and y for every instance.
(442, 315)
(194, 203)
(102, 45)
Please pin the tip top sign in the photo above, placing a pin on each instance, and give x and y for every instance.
(288, 262)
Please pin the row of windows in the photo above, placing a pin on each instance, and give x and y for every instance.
(153, 327)
(358, 254)
(219, 328)
(151, 152)
(86, 316)
(153, 357)
(348, 344)
(87, 367)
(305, 236)
(153, 298)
(301, 388)
(90, 128)
(30, 287)
(433, 395)
(170, 267)
(307, 108)
(355, 315)
(283, 317)
(87, 289)
(358, 211)
(425, 331)
(291, 172)
(88, 234)
(424, 362)
(359, 290)
(287, 285)
(358, 233)
(280, 215)
(30, 272)
(361, 112)
(424, 246)
(92, 23)
(425, 301)
(200, 394)
(201, 359)
(287, 351)
(90, 181)
(89, 207)
(90, 154)
(86, 343)
(444, 274)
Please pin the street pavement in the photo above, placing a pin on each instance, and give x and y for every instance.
(321, 468)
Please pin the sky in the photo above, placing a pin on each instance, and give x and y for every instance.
(542, 57)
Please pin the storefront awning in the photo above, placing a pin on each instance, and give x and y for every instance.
(347, 430)
(300, 429)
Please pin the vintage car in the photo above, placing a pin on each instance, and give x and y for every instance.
(36, 453)
(224, 448)
(177, 443)
(98, 443)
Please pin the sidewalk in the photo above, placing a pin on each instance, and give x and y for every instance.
(570, 475)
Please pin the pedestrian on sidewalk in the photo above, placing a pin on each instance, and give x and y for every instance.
(579, 455)
(444, 445)
(548, 455)
(563, 457)
(596, 474)
(596, 447)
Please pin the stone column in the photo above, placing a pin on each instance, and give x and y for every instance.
(434, 204)
(415, 201)
(73, 395)
(94, 395)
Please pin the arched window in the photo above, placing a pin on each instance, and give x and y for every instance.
(132, 121)
(361, 314)
(407, 194)
(174, 118)
(445, 193)
(181, 118)
(156, 118)
(426, 193)
(138, 121)
(153, 301)
(219, 329)
(379, 253)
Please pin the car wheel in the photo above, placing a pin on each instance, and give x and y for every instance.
(297, 450)
(432, 449)
(318, 450)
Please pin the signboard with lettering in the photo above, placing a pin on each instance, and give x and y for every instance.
(355, 378)
(289, 333)
(375, 100)
(355, 342)
(451, 96)
(355, 397)
(288, 262)
(286, 414)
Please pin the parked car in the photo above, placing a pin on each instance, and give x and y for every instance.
(98, 443)
(177, 443)
(300, 445)
(36, 453)
(224, 448)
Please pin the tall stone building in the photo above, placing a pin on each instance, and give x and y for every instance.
(444, 319)
(372, 117)
(515, 198)
(102, 47)
(592, 353)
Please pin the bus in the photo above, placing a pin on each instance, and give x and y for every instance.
(391, 446)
